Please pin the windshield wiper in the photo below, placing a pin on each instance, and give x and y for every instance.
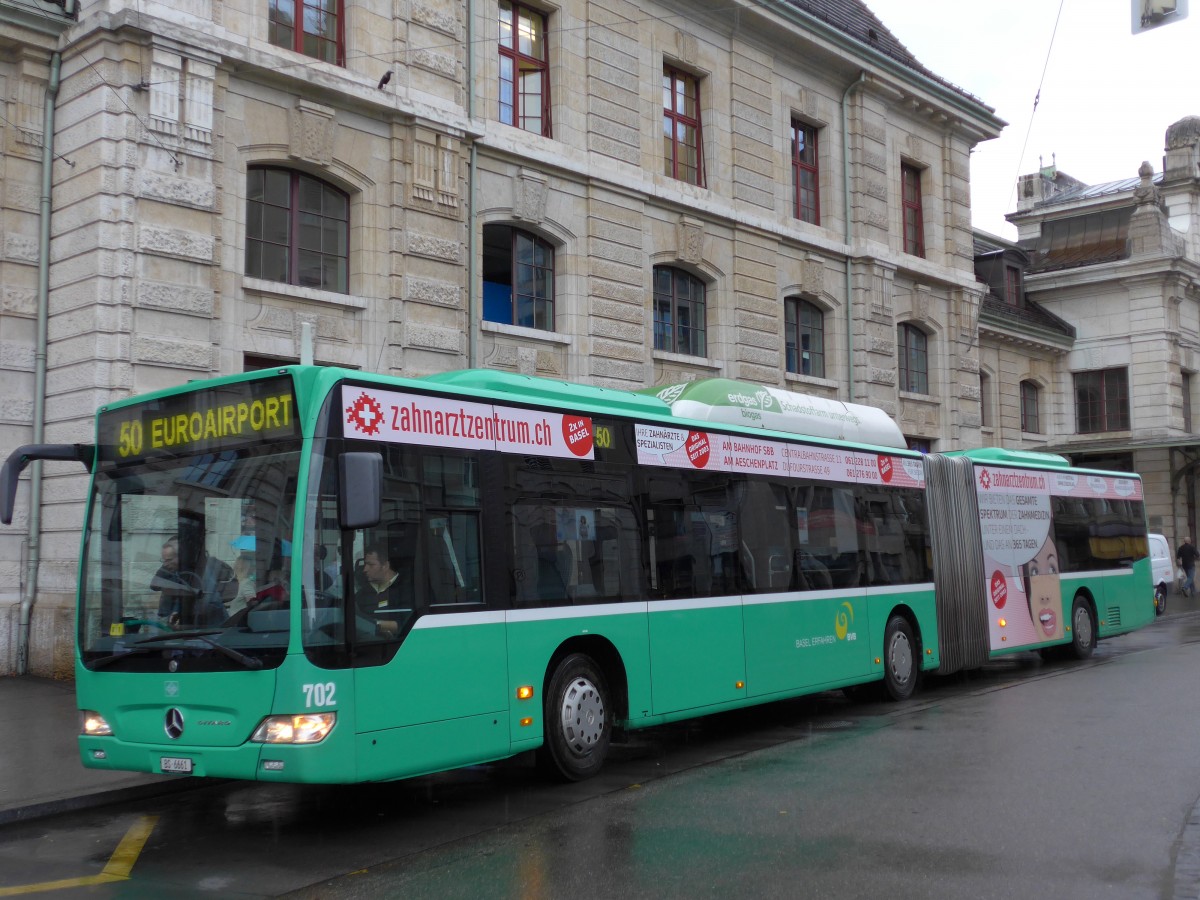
(250, 662)
(200, 634)
(172, 635)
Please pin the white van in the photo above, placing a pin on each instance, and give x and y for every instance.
(1162, 568)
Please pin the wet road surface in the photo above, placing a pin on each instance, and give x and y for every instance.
(1024, 779)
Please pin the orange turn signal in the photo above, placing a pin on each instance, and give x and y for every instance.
(524, 692)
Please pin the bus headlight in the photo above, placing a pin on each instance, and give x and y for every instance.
(310, 728)
(93, 724)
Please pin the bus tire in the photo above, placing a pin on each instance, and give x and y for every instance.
(578, 728)
(900, 659)
(1083, 628)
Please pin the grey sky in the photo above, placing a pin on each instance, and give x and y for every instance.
(1107, 98)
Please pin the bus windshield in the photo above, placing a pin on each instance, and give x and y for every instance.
(190, 553)
(189, 537)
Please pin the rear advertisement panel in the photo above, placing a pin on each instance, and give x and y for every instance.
(1022, 558)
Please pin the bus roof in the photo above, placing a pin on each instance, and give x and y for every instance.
(998, 456)
(758, 406)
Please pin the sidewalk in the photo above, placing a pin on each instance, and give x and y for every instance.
(40, 771)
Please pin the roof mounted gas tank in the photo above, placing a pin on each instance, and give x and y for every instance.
(758, 406)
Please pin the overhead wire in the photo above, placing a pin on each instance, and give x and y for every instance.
(174, 159)
(1037, 97)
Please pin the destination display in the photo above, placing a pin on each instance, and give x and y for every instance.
(688, 449)
(372, 414)
(202, 421)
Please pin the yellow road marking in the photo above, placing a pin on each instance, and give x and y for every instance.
(119, 865)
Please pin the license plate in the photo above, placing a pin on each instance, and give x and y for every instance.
(177, 764)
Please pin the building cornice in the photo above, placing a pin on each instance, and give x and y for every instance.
(1124, 444)
(1119, 271)
(986, 123)
(32, 15)
(1029, 337)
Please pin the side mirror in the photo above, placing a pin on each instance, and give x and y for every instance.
(360, 490)
(23, 456)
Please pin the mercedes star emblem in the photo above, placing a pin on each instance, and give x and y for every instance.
(174, 724)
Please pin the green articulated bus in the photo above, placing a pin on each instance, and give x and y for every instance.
(313, 574)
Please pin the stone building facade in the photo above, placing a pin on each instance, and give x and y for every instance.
(1021, 346)
(622, 193)
(1117, 264)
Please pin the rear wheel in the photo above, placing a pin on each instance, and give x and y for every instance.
(1160, 599)
(900, 667)
(578, 729)
(1083, 629)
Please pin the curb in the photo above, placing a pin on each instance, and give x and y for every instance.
(46, 808)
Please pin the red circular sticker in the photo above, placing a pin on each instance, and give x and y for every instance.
(697, 449)
(885, 468)
(577, 432)
(999, 590)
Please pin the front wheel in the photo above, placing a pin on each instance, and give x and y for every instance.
(1083, 629)
(900, 655)
(1160, 599)
(578, 729)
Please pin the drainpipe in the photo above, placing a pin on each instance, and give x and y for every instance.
(472, 175)
(39, 364)
(862, 77)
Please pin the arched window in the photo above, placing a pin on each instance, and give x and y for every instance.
(518, 278)
(805, 337)
(1030, 417)
(297, 230)
(679, 312)
(913, 352)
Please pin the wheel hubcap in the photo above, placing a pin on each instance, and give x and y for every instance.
(1083, 627)
(582, 716)
(900, 658)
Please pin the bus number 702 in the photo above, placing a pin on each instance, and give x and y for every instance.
(320, 694)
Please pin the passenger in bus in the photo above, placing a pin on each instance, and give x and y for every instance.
(274, 592)
(385, 599)
(247, 579)
(1044, 592)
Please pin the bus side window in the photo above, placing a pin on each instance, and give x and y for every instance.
(607, 566)
(554, 564)
(452, 558)
(541, 562)
(672, 554)
(766, 536)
